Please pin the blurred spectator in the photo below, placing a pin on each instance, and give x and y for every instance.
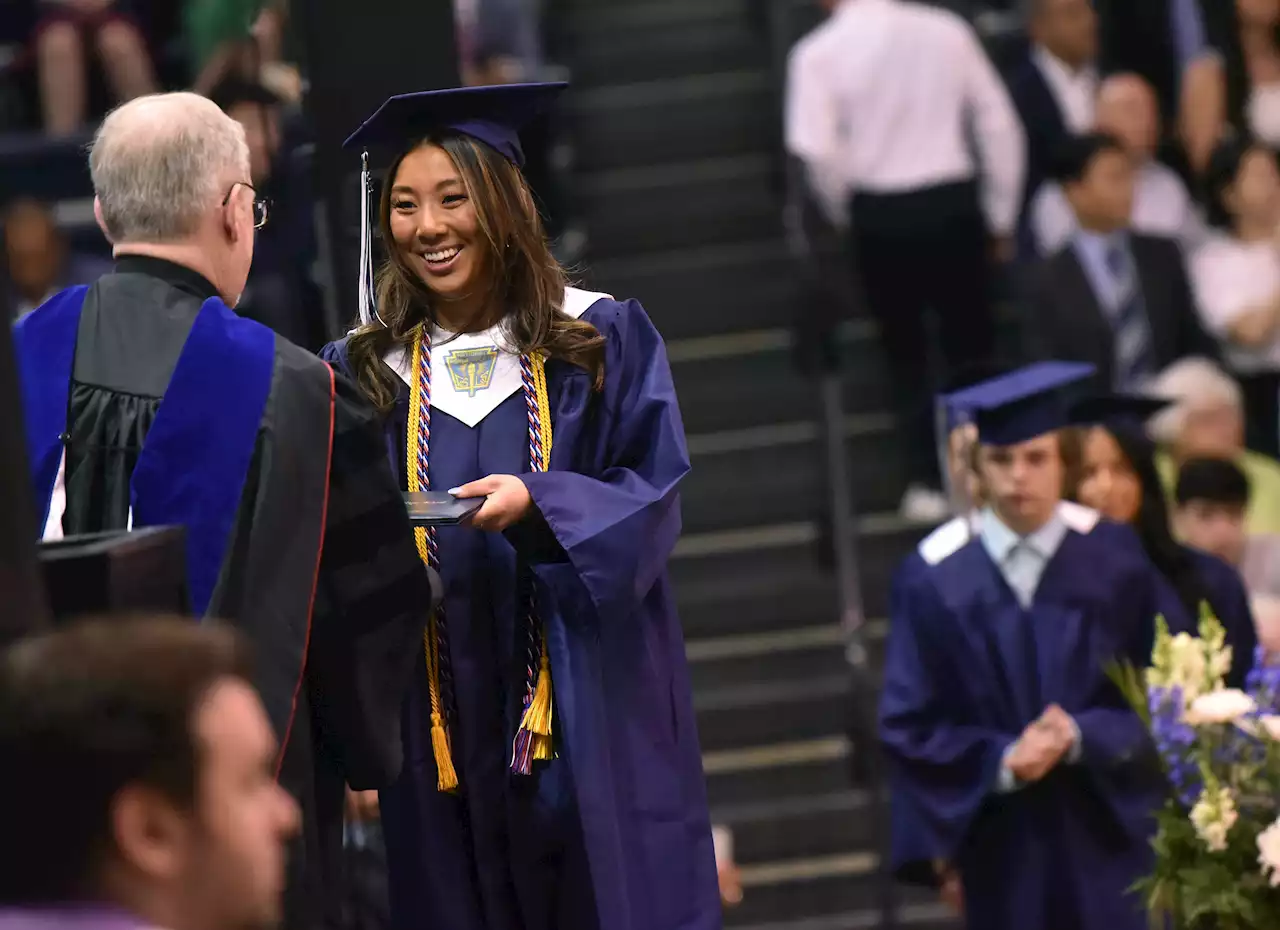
(1237, 278)
(1239, 88)
(280, 291)
(1211, 501)
(1207, 421)
(1160, 40)
(1116, 299)
(65, 28)
(38, 260)
(139, 786)
(240, 40)
(881, 97)
(1056, 85)
(1127, 110)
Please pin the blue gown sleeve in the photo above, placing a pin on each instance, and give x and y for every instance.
(1116, 751)
(944, 770)
(617, 527)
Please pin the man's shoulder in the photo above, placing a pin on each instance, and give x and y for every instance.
(947, 540)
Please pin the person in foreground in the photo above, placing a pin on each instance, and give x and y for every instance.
(147, 402)
(1015, 762)
(1120, 480)
(138, 789)
(554, 777)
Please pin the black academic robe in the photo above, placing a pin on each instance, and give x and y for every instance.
(173, 410)
(966, 670)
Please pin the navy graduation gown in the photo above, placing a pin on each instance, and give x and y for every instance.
(615, 832)
(1229, 601)
(967, 669)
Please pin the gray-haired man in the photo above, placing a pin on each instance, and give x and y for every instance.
(148, 401)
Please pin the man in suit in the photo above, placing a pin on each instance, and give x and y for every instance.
(1054, 87)
(1118, 300)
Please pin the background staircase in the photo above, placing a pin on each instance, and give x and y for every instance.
(674, 123)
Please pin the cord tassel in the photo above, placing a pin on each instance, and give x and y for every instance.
(537, 716)
(446, 777)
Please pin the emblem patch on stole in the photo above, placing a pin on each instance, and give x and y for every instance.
(471, 370)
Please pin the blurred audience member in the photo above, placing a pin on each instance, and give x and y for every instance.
(1207, 421)
(1160, 40)
(726, 867)
(280, 292)
(1127, 110)
(139, 786)
(882, 96)
(1113, 298)
(66, 27)
(1222, 93)
(1055, 87)
(1237, 278)
(1211, 502)
(38, 261)
(240, 40)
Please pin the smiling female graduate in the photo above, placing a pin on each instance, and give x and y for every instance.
(553, 777)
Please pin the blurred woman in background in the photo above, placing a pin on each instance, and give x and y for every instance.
(1118, 478)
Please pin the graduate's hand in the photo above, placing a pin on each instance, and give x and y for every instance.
(507, 501)
(1039, 748)
(1060, 722)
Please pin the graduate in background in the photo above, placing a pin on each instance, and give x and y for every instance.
(554, 778)
(1019, 764)
(148, 402)
(1119, 478)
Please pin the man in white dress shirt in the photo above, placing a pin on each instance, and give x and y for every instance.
(1128, 110)
(881, 96)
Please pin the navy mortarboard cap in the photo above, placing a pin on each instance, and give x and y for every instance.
(1127, 411)
(953, 414)
(1021, 405)
(493, 114)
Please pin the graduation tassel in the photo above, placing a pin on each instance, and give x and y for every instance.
(446, 775)
(368, 301)
(435, 648)
(533, 741)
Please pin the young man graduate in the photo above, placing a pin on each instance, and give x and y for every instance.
(1015, 761)
(147, 401)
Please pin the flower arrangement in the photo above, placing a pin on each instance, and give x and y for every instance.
(1217, 839)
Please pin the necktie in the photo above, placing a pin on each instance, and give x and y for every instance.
(1134, 360)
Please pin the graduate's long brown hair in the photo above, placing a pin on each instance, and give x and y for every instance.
(523, 276)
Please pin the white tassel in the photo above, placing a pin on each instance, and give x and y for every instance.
(368, 296)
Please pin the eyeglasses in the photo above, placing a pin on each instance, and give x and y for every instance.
(261, 205)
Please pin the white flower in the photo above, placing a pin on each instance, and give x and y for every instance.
(1225, 706)
(1213, 817)
(1269, 853)
(1187, 668)
(1270, 724)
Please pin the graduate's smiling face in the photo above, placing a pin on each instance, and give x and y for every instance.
(435, 224)
(1023, 482)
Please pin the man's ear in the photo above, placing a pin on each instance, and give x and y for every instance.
(102, 223)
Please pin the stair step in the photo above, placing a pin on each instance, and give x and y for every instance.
(615, 44)
(781, 770)
(792, 656)
(805, 887)
(748, 578)
(678, 205)
(918, 916)
(706, 289)
(824, 824)
(673, 120)
(772, 712)
(777, 473)
(745, 380)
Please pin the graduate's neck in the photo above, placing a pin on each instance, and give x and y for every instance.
(467, 314)
(1024, 521)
